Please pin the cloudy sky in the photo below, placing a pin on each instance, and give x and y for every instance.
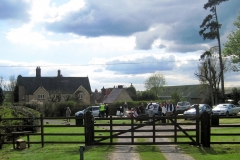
(112, 42)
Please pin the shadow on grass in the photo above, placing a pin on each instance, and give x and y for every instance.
(206, 150)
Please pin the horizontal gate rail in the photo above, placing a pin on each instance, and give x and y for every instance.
(42, 133)
(223, 126)
(134, 128)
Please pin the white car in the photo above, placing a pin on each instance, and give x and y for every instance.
(226, 109)
(93, 109)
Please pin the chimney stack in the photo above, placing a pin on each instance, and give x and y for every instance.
(120, 86)
(103, 91)
(38, 71)
(59, 73)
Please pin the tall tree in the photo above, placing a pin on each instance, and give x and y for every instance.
(236, 95)
(2, 97)
(155, 83)
(10, 86)
(209, 73)
(132, 92)
(176, 97)
(210, 30)
(232, 46)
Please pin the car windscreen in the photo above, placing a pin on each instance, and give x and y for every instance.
(221, 106)
(87, 109)
(201, 106)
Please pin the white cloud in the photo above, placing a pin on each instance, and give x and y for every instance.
(45, 11)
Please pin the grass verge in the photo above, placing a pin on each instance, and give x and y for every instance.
(216, 151)
(56, 151)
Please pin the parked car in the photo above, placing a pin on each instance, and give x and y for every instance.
(182, 106)
(155, 110)
(226, 109)
(93, 109)
(202, 107)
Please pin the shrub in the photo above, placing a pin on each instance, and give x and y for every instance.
(18, 112)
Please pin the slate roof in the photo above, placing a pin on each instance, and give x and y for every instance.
(67, 85)
(193, 91)
(97, 97)
(113, 95)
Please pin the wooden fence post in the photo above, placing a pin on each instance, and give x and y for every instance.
(197, 124)
(1, 139)
(89, 129)
(205, 129)
(42, 130)
(175, 128)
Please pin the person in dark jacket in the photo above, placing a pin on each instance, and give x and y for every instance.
(160, 110)
(106, 110)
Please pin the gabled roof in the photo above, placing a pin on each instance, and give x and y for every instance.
(97, 97)
(114, 95)
(66, 85)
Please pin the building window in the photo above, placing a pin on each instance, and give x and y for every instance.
(22, 96)
(41, 96)
(80, 95)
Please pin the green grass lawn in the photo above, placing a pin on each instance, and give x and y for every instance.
(216, 151)
(56, 151)
(151, 152)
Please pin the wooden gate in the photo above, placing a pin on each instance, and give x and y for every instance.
(126, 131)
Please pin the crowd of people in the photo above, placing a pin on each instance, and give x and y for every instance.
(164, 109)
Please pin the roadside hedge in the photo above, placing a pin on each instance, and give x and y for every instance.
(17, 112)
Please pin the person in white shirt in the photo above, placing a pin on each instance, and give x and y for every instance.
(150, 109)
(164, 111)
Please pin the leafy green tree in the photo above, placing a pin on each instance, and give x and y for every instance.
(2, 97)
(210, 30)
(10, 86)
(132, 92)
(232, 46)
(155, 83)
(148, 95)
(176, 97)
(236, 95)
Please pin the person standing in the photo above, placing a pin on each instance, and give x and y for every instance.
(170, 109)
(150, 108)
(160, 110)
(125, 109)
(106, 110)
(68, 113)
(164, 111)
(135, 114)
(140, 109)
(102, 110)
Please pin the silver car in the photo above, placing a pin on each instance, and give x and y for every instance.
(155, 110)
(182, 106)
(94, 110)
(226, 109)
(202, 107)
